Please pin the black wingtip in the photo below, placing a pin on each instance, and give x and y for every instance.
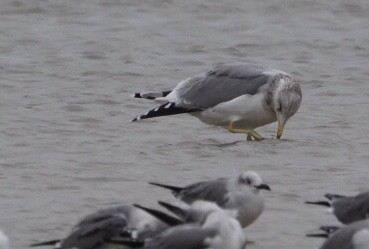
(166, 218)
(166, 109)
(331, 197)
(320, 203)
(45, 243)
(175, 189)
(317, 235)
(174, 209)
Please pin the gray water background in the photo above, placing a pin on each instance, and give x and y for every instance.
(67, 147)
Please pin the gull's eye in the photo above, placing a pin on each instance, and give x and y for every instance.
(244, 180)
(248, 181)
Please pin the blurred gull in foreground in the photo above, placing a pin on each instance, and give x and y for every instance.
(239, 97)
(4, 241)
(241, 193)
(352, 236)
(217, 230)
(347, 209)
(97, 229)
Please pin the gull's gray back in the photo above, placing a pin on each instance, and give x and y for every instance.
(214, 191)
(221, 84)
(351, 209)
(93, 235)
(103, 214)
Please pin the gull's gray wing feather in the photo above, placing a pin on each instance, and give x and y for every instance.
(221, 84)
(351, 209)
(342, 238)
(104, 214)
(182, 237)
(214, 191)
(93, 235)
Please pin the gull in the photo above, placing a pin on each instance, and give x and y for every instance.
(97, 229)
(4, 241)
(218, 230)
(241, 193)
(238, 96)
(347, 209)
(352, 236)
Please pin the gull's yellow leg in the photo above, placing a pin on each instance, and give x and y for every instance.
(250, 133)
(256, 135)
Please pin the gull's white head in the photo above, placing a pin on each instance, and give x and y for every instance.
(253, 180)
(286, 100)
(4, 241)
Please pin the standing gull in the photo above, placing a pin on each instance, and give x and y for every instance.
(352, 236)
(347, 209)
(97, 229)
(239, 97)
(241, 193)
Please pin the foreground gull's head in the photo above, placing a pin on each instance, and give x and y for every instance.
(252, 179)
(287, 100)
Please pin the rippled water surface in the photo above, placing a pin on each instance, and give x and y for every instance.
(67, 146)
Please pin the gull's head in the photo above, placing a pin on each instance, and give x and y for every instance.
(253, 180)
(287, 100)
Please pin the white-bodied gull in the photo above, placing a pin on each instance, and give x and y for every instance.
(239, 97)
(4, 241)
(217, 230)
(96, 230)
(352, 236)
(241, 193)
(347, 209)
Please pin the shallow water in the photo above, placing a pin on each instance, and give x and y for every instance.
(67, 146)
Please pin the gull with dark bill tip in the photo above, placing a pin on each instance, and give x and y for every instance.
(242, 193)
(347, 209)
(238, 96)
